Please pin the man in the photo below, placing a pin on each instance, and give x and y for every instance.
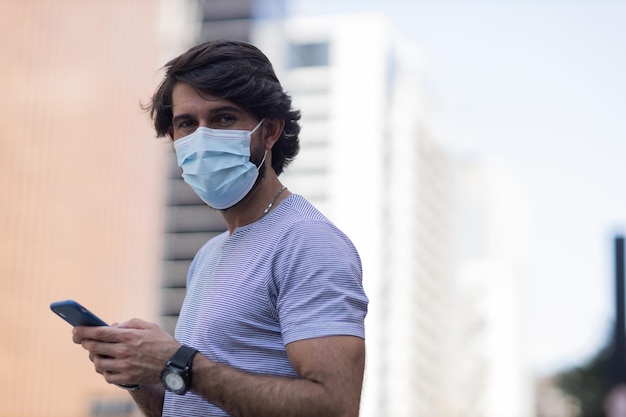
(272, 323)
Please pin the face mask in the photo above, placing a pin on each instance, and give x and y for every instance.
(216, 164)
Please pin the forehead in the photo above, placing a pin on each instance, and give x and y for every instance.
(185, 99)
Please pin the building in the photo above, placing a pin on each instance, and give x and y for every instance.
(369, 163)
(491, 217)
(440, 235)
(82, 204)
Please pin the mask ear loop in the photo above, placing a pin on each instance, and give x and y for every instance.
(262, 160)
(265, 154)
(257, 126)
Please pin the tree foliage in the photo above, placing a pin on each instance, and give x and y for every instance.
(590, 383)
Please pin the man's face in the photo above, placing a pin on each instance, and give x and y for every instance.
(191, 110)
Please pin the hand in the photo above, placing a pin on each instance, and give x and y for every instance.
(133, 352)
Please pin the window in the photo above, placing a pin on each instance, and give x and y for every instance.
(308, 55)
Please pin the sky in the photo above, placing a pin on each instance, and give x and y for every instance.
(539, 85)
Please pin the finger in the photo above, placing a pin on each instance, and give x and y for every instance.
(103, 365)
(115, 371)
(93, 356)
(97, 348)
(101, 333)
(117, 378)
(136, 324)
(77, 335)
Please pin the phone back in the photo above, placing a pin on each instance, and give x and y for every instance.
(75, 314)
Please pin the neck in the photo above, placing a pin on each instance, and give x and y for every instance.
(261, 200)
(271, 204)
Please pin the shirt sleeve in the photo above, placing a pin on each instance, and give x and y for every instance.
(318, 280)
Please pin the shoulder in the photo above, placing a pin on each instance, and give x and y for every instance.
(299, 224)
(306, 243)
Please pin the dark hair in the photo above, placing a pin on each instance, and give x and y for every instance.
(236, 71)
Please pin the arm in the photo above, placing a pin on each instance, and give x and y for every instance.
(331, 376)
(330, 369)
(149, 399)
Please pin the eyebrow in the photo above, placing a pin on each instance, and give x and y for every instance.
(217, 110)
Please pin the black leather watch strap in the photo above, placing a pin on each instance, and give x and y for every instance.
(177, 375)
(183, 357)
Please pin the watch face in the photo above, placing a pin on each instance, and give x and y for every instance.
(174, 382)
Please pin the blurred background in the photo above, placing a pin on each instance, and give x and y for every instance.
(473, 150)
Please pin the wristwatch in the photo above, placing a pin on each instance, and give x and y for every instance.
(176, 375)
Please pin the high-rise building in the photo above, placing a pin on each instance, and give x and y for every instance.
(490, 236)
(369, 163)
(438, 235)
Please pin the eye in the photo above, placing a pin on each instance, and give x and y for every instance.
(186, 124)
(223, 120)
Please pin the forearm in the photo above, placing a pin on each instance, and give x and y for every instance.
(243, 394)
(149, 399)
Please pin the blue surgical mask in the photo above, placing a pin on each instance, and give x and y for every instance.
(216, 164)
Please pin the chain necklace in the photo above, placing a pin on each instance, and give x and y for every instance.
(269, 206)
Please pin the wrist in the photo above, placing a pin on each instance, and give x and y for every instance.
(177, 374)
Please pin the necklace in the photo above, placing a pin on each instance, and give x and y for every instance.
(269, 206)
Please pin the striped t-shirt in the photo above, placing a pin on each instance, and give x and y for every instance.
(290, 276)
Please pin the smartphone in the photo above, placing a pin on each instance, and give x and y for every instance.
(75, 314)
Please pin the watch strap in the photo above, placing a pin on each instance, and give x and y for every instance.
(183, 357)
(131, 388)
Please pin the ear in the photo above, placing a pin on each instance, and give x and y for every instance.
(272, 129)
